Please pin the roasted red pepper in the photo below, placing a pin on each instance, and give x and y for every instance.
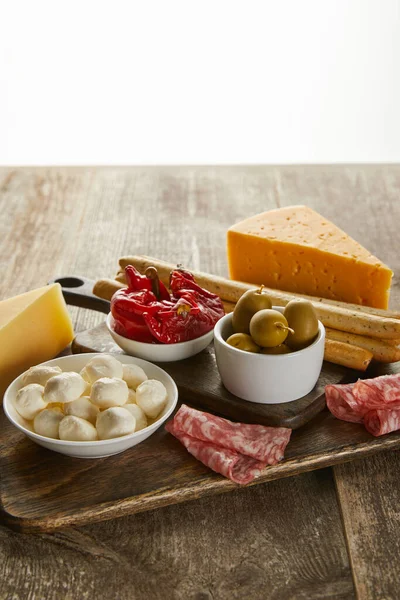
(138, 283)
(127, 308)
(147, 312)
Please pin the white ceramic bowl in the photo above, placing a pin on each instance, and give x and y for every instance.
(159, 352)
(100, 448)
(267, 378)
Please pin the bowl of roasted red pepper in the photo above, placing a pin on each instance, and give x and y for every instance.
(150, 321)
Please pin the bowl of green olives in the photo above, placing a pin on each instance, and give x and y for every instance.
(269, 354)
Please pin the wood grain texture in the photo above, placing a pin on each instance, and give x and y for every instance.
(267, 542)
(369, 492)
(57, 221)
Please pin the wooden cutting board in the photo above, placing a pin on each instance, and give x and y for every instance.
(199, 383)
(41, 490)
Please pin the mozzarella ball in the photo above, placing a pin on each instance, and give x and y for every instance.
(115, 422)
(29, 401)
(40, 374)
(107, 392)
(83, 408)
(103, 365)
(131, 396)
(140, 417)
(133, 375)
(151, 396)
(75, 429)
(47, 422)
(64, 388)
(86, 378)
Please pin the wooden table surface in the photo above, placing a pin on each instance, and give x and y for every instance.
(332, 533)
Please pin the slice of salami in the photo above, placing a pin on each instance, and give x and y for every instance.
(342, 404)
(378, 392)
(240, 469)
(266, 444)
(381, 421)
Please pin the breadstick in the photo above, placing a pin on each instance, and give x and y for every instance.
(393, 342)
(120, 276)
(381, 350)
(347, 355)
(358, 323)
(370, 310)
(332, 316)
(228, 306)
(105, 288)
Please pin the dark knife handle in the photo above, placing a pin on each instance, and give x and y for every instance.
(78, 291)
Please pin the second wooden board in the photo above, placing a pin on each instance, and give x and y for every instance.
(199, 383)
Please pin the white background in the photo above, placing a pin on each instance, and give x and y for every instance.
(212, 81)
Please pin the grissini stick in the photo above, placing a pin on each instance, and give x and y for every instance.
(105, 288)
(393, 342)
(381, 350)
(332, 316)
(347, 355)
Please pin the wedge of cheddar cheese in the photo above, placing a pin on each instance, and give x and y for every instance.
(34, 327)
(295, 249)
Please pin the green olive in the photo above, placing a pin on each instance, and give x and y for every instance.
(268, 328)
(281, 349)
(251, 302)
(301, 317)
(242, 341)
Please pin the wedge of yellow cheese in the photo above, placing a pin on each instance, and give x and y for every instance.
(34, 327)
(295, 249)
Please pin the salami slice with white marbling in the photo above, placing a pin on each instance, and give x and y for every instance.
(266, 444)
(374, 402)
(237, 467)
(382, 421)
(342, 404)
(378, 392)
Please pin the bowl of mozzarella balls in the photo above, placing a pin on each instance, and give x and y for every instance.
(91, 405)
